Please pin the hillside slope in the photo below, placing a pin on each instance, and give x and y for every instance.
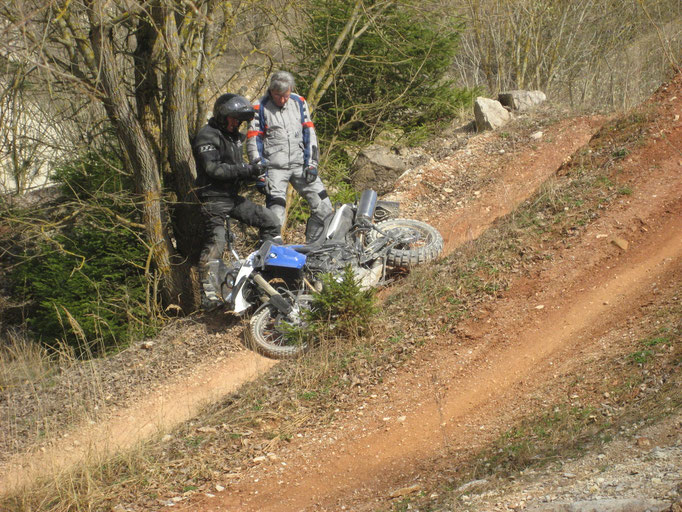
(579, 303)
(589, 300)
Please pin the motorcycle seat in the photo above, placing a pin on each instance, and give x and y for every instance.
(317, 246)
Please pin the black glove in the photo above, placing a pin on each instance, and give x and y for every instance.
(257, 169)
(252, 170)
(310, 174)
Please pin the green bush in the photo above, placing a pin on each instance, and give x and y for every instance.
(83, 281)
(393, 73)
(341, 310)
(85, 288)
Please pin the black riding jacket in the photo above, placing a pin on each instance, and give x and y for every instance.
(219, 158)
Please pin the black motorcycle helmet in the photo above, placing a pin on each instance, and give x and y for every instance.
(232, 105)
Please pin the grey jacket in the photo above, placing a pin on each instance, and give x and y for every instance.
(284, 137)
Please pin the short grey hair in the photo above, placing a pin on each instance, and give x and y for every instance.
(281, 82)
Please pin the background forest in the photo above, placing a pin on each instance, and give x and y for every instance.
(99, 102)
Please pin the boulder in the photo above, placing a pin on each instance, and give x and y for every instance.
(490, 114)
(521, 100)
(377, 167)
(605, 505)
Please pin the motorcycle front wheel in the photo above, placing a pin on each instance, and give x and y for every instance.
(416, 242)
(274, 335)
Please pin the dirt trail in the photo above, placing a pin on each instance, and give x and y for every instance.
(157, 412)
(454, 399)
(383, 455)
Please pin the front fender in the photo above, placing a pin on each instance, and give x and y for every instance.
(237, 298)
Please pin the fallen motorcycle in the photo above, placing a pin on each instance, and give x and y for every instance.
(279, 280)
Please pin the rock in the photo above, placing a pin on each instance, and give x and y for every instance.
(378, 168)
(411, 489)
(521, 100)
(536, 135)
(643, 442)
(490, 114)
(470, 485)
(609, 505)
(621, 243)
(389, 136)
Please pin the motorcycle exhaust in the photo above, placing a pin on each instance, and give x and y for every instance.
(366, 207)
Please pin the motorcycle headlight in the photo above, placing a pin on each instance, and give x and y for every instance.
(230, 279)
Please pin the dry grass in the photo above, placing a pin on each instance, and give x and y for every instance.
(37, 402)
(22, 362)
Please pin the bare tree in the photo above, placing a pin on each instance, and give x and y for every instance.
(584, 50)
(149, 65)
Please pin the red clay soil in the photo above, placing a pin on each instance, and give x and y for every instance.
(465, 390)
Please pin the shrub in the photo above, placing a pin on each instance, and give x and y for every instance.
(84, 281)
(342, 307)
(392, 73)
(341, 310)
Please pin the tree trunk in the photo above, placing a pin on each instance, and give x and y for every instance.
(186, 214)
(145, 169)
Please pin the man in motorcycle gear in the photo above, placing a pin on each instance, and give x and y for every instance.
(221, 172)
(282, 134)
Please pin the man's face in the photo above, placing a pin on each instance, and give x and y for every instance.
(232, 125)
(280, 98)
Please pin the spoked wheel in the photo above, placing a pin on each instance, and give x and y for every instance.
(416, 242)
(273, 334)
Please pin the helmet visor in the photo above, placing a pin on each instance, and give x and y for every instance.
(242, 116)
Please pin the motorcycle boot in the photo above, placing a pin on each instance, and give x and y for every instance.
(209, 274)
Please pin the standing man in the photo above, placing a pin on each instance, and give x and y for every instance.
(218, 151)
(283, 136)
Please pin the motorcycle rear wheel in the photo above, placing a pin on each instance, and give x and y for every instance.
(270, 337)
(423, 242)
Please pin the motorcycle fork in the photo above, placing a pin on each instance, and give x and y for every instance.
(276, 298)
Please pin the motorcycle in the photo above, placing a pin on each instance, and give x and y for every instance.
(280, 280)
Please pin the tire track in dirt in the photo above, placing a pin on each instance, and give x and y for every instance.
(176, 401)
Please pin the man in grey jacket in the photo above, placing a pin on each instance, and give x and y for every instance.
(282, 136)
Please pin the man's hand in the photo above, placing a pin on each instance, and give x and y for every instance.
(254, 170)
(310, 174)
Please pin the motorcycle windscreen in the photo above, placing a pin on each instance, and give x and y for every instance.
(280, 256)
